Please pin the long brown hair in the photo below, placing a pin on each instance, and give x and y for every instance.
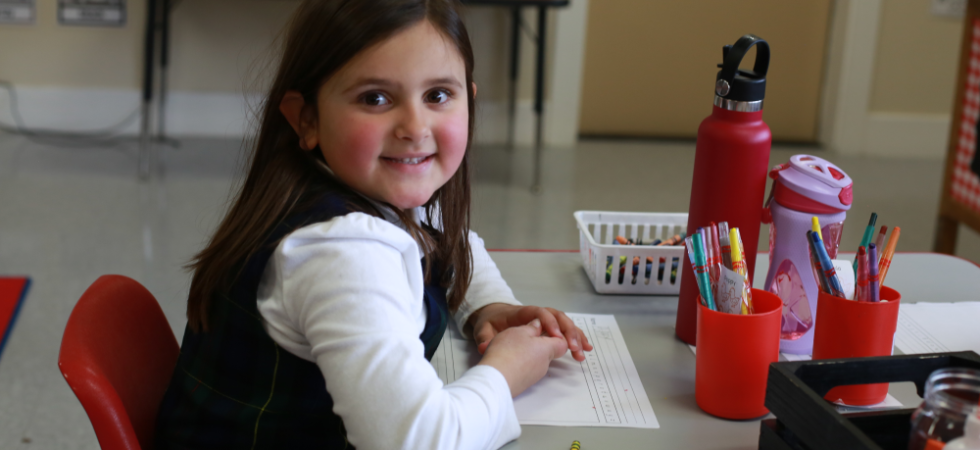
(282, 179)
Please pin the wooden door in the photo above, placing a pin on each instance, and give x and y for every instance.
(650, 65)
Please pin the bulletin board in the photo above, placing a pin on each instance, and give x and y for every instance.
(960, 200)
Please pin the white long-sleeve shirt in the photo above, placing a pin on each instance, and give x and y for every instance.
(347, 294)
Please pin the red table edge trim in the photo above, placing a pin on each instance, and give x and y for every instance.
(16, 312)
(529, 250)
(535, 250)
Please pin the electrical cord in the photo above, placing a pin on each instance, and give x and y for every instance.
(20, 127)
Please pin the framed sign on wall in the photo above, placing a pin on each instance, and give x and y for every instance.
(21, 12)
(99, 13)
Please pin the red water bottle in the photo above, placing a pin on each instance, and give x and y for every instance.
(730, 166)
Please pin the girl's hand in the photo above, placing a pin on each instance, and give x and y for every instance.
(497, 317)
(522, 354)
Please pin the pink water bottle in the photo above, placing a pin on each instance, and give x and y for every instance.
(804, 187)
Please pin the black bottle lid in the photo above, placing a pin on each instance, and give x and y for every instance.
(733, 83)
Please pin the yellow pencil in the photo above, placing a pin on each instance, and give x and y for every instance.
(886, 261)
(815, 224)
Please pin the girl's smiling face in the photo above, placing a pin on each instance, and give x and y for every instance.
(393, 122)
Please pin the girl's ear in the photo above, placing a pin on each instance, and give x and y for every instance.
(474, 90)
(294, 108)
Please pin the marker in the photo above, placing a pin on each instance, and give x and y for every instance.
(815, 262)
(873, 287)
(738, 265)
(862, 293)
(886, 259)
(815, 226)
(714, 256)
(701, 272)
(726, 245)
(880, 240)
(868, 234)
(828, 268)
(715, 245)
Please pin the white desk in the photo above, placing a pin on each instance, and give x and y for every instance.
(666, 365)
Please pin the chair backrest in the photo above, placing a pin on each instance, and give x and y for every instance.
(118, 355)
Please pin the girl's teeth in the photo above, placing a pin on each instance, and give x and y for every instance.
(411, 160)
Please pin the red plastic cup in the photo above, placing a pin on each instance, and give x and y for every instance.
(733, 357)
(850, 329)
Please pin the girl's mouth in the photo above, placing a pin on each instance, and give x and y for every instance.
(410, 161)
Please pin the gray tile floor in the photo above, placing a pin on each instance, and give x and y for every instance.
(69, 214)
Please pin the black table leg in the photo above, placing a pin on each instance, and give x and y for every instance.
(148, 50)
(539, 95)
(515, 51)
(164, 63)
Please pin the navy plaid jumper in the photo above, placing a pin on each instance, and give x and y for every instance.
(234, 387)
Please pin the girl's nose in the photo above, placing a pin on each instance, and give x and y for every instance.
(413, 125)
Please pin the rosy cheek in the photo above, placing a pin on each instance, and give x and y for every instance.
(357, 141)
(451, 136)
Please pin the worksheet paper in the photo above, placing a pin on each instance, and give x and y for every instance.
(938, 327)
(602, 391)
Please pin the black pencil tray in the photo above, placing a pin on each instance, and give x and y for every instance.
(805, 421)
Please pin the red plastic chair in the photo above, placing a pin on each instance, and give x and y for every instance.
(118, 354)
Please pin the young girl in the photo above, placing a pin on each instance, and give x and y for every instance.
(314, 309)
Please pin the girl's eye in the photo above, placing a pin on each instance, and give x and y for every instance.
(375, 99)
(437, 96)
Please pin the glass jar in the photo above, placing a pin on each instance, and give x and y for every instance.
(951, 394)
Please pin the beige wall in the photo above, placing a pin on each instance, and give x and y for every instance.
(916, 59)
(46, 54)
(218, 45)
(650, 65)
(214, 43)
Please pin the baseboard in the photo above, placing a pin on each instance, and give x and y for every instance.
(189, 114)
(907, 135)
(204, 114)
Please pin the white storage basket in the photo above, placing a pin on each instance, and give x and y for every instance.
(598, 231)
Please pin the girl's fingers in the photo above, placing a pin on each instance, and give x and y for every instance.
(558, 347)
(483, 336)
(572, 332)
(586, 345)
(482, 347)
(550, 322)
